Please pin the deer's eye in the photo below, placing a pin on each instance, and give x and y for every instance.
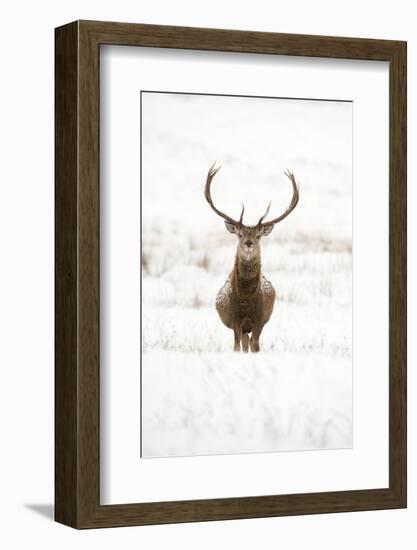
(240, 235)
(258, 237)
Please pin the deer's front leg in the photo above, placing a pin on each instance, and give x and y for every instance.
(254, 341)
(245, 342)
(237, 340)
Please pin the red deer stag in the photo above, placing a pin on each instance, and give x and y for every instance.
(246, 300)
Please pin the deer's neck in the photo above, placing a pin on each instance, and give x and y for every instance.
(247, 274)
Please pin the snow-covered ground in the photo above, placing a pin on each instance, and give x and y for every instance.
(198, 397)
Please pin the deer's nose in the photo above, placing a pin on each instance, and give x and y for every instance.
(249, 243)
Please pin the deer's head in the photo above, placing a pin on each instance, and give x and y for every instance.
(249, 236)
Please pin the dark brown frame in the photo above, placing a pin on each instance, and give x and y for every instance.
(77, 362)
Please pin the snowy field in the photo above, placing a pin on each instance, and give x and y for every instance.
(198, 397)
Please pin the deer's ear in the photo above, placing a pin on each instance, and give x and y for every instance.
(266, 229)
(230, 227)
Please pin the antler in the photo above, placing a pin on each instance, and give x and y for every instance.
(293, 203)
(211, 173)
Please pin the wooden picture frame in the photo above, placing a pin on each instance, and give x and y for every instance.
(77, 372)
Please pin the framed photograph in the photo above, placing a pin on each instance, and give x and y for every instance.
(230, 274)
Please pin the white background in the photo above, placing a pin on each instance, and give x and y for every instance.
(26, 299)
(125, 478)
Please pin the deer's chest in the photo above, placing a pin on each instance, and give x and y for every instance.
(247, 307)
(247, 300)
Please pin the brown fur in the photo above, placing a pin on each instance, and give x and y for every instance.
(246, 301)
